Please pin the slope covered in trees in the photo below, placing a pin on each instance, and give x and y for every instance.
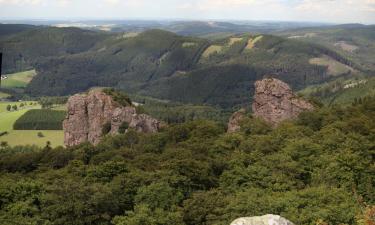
(318, 169)
(165, 65)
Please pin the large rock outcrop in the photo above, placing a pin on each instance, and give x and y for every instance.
(275, 102)
(262, 220)
(89, 113)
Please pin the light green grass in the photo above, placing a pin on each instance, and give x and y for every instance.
(212, 50)
(30, 137)
(18, 80)
(4, 95)
(251, 42)
(3, 105)
(188, 44)
(335, 68)
(25, 137)
(59, 107)
(233, 40)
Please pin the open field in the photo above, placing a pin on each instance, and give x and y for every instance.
(23, 137)
(188, 44)
(251, 43)
(18, 80)
(211, 50)
(27, 105)
(334, 67)
(234, 40)
(3, 95)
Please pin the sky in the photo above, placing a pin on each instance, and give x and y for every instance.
(332, 11)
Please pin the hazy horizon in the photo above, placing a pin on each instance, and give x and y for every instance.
(315, 11)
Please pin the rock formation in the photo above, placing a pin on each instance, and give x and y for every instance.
(262, 220)
(275, 102)
(89, 113)
(234, 121)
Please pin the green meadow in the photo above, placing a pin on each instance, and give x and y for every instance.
(18, 80)
(25, 137)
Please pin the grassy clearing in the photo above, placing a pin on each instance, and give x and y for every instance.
(4, 95)
(27, 105)
(60, 107)
(335, 68)
(188, 44)
(18, 80)
(252, 41)
(212, 50)
(23, 137)
(345, 46)
(30, 137)
(234, 40)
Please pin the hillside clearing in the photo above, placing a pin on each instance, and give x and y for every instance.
(188, 44)
(18, 80)
(4, 95)
(213, 49)
(346, 47)
(251, 42)
(234, 40)
(335, 68)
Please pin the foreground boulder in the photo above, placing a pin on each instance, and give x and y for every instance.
(88, 114)
(235, 121)
(262, 220)
(275, 102)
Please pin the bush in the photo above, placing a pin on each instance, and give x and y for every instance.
(40, 119)
(40, 134)
(123, 127)
(118, 96)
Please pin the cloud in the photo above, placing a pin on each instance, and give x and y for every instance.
(114, 2)
(21, 2)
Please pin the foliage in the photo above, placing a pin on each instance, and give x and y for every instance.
(40, 119)
(48, 102)
(160, 64)
(123, 127)
(118, 96)
(318, 169)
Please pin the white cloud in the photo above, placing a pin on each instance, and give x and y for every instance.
(114, 2)
(21, 2)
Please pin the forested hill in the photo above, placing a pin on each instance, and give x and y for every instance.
(9, 29)
(318, 169)
(164, 65)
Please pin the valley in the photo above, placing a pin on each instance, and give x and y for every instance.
(187, 122)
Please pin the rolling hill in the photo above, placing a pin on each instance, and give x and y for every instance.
(164, 65)
(356, 42)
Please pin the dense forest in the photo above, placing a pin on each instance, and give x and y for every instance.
(318, 169)
(164, 65)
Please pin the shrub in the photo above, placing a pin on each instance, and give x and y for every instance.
(123, 127)
(40, 134)
(118, 96)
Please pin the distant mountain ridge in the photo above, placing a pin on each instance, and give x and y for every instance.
(165, 65)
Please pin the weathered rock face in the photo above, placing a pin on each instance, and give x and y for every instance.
(87, 114)
(262, 220)
(234, 121)
(275, 102)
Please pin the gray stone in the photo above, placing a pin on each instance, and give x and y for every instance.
(275, 102)
(88, 113)
(262, 220)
